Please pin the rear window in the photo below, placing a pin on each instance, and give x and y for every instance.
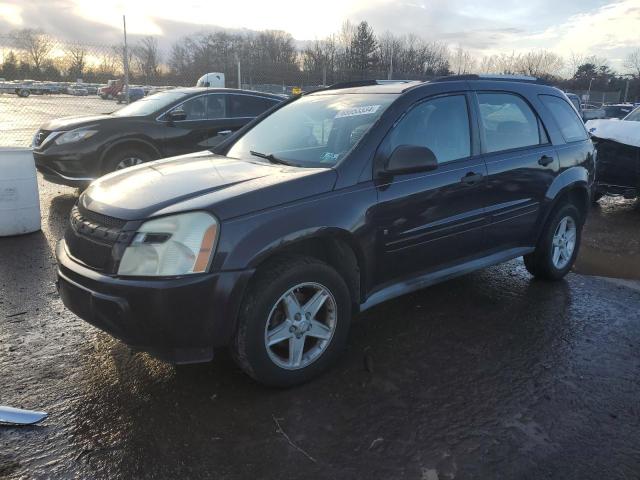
(249, 105)
(566, 117)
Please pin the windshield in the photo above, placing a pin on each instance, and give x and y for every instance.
(316, 130)
(634, 116)
(148, 105)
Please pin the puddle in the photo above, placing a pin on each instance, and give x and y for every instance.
(593, 261)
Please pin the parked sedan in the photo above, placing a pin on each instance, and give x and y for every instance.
(76, 150)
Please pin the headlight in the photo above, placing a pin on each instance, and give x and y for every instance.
(75, 136)
(174, 245)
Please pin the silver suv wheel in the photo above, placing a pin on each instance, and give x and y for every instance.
(300, 326)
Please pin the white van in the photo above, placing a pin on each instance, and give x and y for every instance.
(211, 80)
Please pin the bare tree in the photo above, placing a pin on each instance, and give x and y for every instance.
(632, 62)
(75, 59)
(35, 45)
(462, 61)
(147, 59)
(542, 63)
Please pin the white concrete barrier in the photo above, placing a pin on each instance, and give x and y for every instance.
(19, 199)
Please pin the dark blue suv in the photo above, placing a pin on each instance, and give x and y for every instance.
(324, 207)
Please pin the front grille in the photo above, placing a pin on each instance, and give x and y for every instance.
(100, 219)
(91, 236)
(40, 137)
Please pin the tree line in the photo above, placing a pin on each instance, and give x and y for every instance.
(274, 57)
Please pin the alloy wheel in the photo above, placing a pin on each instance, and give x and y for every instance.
(128, 162)
(564, 242)
(300, 326)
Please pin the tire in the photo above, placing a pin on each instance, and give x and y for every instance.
(263, 311)
(540, 263)
(115, 159)
(24, 92)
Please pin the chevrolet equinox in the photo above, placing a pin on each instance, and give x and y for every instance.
(321, 208)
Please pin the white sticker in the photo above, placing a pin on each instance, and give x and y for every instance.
(354, 112)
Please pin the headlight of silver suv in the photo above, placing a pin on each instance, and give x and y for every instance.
(74, 136)
(174, 245)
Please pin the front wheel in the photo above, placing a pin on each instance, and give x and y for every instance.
(294, 321)
(125, 158)
(558, 246)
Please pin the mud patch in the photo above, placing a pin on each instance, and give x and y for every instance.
(593, 261)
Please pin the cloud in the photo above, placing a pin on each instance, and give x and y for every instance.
(601, 27)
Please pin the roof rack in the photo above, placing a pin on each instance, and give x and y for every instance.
(363, 83)
(503, 78)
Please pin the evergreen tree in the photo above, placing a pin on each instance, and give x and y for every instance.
(10, 66)
(363, 50)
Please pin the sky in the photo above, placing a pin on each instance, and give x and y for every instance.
(608, 29)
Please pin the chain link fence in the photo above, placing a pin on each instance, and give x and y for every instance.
(42, 79)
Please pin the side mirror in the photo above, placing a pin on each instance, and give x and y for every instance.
(176, 115)
(411, 158)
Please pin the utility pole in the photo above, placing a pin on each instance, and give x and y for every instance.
(239, 73)
(589, 91)
(126, 61)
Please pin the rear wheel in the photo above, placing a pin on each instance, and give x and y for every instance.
(125, 158)
(558, 246)
(294, 321)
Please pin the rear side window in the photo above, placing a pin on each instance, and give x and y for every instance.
(249, 106)
(568, 121)
(508, 122)
(441, 124)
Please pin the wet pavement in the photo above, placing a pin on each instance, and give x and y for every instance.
(492, 375)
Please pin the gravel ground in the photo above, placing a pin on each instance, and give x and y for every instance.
(492, 375)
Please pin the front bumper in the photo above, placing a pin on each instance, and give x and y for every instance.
(74, 170)
(180, 320)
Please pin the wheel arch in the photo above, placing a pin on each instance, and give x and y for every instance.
(334, 246)
(571, 186)
(135, 142)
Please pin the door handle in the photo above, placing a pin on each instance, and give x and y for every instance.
(545, 160)
(471, 178)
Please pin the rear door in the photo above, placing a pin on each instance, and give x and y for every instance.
(521, 165)
(428, 220)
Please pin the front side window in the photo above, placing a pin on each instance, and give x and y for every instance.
(571, 126)
(315, 130)
(204, 107)
(441, 124)
(508, 122)
(243, 106)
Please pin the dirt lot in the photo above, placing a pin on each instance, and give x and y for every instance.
(20, 117)
(492, 375)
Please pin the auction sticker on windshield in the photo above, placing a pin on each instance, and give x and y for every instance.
(354, 112)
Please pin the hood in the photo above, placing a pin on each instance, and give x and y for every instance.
(69, 123)
(202, 181)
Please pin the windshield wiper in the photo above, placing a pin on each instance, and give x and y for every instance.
(272, 158)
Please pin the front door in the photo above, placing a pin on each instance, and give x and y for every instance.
(204, 118)
(430, 220)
